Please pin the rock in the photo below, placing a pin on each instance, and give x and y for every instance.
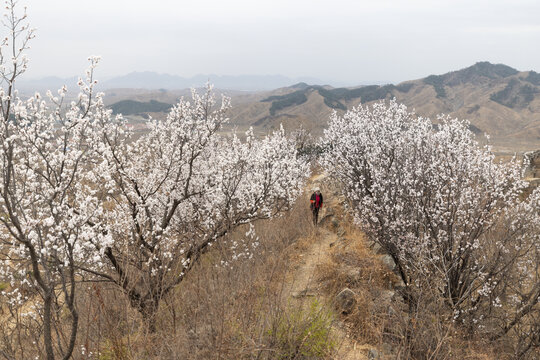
(345, 301)
(326, 216)
(399, 285)
(387, 295)
(328, 211)
(389, 262)
(373, 354)
(375, 247)
(383, 301)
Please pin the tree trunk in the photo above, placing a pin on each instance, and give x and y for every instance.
(148, 312)
(47, 325)
(74, 328)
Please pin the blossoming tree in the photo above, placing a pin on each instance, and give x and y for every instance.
(176, 189)
(83, 197)
(436, 202)
(46, 199)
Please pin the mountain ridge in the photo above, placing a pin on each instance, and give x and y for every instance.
(497, 99)
(154, 81)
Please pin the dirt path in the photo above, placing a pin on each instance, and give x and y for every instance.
(304, 279)
(304, 285)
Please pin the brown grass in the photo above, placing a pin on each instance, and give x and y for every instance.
(381, 318)
(218, 311)
(243, 310)
(353, 265)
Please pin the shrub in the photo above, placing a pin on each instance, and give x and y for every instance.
(449, 216)
(302, 333)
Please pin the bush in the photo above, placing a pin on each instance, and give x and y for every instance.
(450, 217)
(302, 333)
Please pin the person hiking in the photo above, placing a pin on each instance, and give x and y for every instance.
(316, 203)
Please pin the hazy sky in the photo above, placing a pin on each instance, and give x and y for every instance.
(341, 40)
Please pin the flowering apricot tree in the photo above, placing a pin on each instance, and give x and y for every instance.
(83, 197)
(46, 196)
(435, 201)
(176, 189)
(515, 290)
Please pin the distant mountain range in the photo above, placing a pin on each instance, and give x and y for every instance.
(497, 99)
(154, 81)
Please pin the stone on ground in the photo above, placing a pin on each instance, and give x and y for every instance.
(345, 301)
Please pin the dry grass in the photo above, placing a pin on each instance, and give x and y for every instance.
(243, 310)
(353, 265)
(236, 310)
(381, 318)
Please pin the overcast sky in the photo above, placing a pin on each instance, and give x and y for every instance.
(352, 41)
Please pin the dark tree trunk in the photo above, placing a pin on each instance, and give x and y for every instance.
(148, 311)
(47, 305)
(74, 328)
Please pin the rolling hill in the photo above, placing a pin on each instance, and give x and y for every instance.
(132, 107)
(497, 99)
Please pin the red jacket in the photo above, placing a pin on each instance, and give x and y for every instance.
(316, 203)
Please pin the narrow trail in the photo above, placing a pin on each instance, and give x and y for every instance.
(304, 284)
(304, 280)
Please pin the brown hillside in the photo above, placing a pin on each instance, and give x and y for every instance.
(497, 99)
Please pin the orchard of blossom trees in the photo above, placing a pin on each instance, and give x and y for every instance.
(451, 217)
(84, 198)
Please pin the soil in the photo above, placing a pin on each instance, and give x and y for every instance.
(303, 284)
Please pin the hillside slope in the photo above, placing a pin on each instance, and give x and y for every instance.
(496, 99)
